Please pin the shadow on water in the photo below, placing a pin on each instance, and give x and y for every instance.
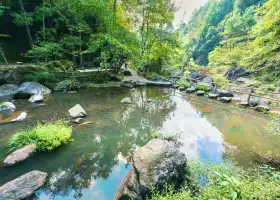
(94, 165)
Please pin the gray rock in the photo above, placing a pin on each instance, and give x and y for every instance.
(7, 106)
(195, 75)
(20, 155)
(23, 186)
(243, 80)
(262, 108)
(156, 164)
(160, 79)
(212, 96)
(10, 77)
(127, 73)
(127, 84)
(191, 89)
(200, 93)
(139, 84)
(126, 100)
(224, 93)
(159, 83)
(175, 86)
(27, 89)
(243, 103)
(8, 90)
(207, 79)
(36, 98)
(254, 101)
(78, 120)
(226, 99)
(234, 73)
(77, 111)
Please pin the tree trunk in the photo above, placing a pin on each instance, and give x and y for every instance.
(81, 55)
(26, 26)
(3, 55)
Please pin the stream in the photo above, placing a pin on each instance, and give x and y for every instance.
(94, 165)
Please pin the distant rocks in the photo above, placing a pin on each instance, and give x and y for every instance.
(77, 111)
(126, 100)
(23, 186)
(156, 164)
(19, 155)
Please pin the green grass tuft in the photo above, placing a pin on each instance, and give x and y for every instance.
(47, 137)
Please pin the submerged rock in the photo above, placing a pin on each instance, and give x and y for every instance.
(77, 111)
(156, 164)
(126, 100)
(224, 93)
(226, 99)
(27, 89)
(7, 106)
(8, 90)
(36, 98)
(23, 186)
(20, 155)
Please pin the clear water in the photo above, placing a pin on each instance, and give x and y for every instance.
(94, 165)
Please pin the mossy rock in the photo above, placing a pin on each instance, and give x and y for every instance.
(203, 86)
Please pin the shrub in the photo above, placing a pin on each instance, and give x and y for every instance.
(151, 75)
(46, 78)
(184, 84)
(203, 86)
(101, 77)
(67, 85)
(268, 87)
(220, 81)
(59, 66)
(47, 137)
(187, 73)
(227, 181)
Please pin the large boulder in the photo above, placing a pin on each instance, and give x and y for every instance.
(226, 99)
(195, 75)
(77, 111)
(200, 93)
(156, 164)
(20, 155)
(234, 73)
(7, 106)
(212, 96)
(254, 101)
(27, 89)
(23, 186)
(8, 90)
(224, 93)
(10, 77)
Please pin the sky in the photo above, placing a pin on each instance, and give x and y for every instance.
(185, 9)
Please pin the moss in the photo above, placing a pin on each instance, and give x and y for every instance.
(203, 86)
(47, 137)
(184, 84)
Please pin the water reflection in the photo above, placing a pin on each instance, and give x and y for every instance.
(94, 165)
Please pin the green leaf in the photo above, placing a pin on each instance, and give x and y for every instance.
(224, 183)
(233, 195)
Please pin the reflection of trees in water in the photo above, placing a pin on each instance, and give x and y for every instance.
(134, 124)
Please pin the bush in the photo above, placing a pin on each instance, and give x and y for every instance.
(220, 81)
(101, 77)
(227, 181)
(184, 84)
(67, 85)
(151, 75)
(203, 86)
(47, 137)
(187, 73)
(268, 87)
(59, 66)
(46, 78)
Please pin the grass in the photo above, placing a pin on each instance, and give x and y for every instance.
(183, 84)
(47, 137)
(226, 181)
(203, 86)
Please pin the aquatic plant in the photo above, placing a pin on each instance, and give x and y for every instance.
(220, 81)
(226, 181)
(184, 84)
(203, 86)
(47, 137)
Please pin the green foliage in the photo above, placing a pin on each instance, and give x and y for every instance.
(67, 85)
(220, 81)
(23, 18)
(151, 75)
(268, 87)
(47, 137)
(101, 77)
(187, 73)
(43, 50)
(274, 125)
(183, 84)
(59, 66)
(45, 78)
(155, 134)
(227, 181)
(203, 86)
